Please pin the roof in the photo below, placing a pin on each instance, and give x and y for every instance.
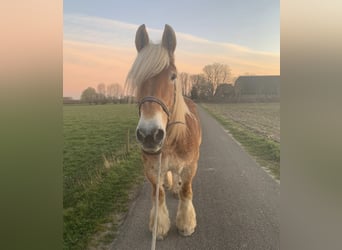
(255, 79)
(269, 84)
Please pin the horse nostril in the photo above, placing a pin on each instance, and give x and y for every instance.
(159, 135)
(140, 135)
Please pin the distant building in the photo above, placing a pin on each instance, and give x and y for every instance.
(258, 85)
(224, 91)
(69, 100)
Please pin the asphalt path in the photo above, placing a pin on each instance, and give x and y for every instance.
(237, 203)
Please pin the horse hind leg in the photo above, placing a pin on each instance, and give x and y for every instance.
(186, 215)
(173, 183)
(168, 182)
(177, 184)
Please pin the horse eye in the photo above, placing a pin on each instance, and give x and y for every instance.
(173, 77)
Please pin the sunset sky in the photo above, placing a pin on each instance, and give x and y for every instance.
(99, 37)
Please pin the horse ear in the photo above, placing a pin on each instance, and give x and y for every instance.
(169, 39)
(141, 38)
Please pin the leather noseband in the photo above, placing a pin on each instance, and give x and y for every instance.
(156, 100)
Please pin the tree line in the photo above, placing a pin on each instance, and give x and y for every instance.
(112, 93)
(200, 86)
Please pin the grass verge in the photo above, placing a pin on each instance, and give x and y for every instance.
(265, 151)
(101, 165)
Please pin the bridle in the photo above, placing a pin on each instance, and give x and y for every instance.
(163, 105)
(156, 100)
(165, 109)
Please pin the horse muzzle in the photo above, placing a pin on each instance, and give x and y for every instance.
(150, 139)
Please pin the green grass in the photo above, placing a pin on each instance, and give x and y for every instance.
(99, 168)
(256, 126)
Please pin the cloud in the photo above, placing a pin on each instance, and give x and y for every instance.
(102, 50)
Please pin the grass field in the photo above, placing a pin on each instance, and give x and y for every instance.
(100, 167)
(256, 126)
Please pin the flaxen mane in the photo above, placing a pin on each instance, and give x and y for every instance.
(150, 61)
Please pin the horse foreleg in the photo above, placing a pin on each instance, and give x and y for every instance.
(163, 220)
(186, 215)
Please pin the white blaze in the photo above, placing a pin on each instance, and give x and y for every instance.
(154, 122)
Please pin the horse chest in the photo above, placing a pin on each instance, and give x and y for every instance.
(173, 164)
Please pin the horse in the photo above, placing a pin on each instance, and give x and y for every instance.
(168, 125)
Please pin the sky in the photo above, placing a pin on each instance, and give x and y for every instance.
(98, 44)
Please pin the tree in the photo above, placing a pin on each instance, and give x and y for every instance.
(205, 90)
(114, 92)
(201, 88)
(216, 73)
(89, 95)
(196, 79)
(101, 89)
(194, 92)
(184, 78)
(101, 92)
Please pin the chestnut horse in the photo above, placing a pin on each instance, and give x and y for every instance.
(168, 125)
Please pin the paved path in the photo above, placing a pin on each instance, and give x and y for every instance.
(237, 203)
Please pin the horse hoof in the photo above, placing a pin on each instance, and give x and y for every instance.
(186, 233)
(161, 237)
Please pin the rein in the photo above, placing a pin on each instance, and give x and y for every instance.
(154, 233)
